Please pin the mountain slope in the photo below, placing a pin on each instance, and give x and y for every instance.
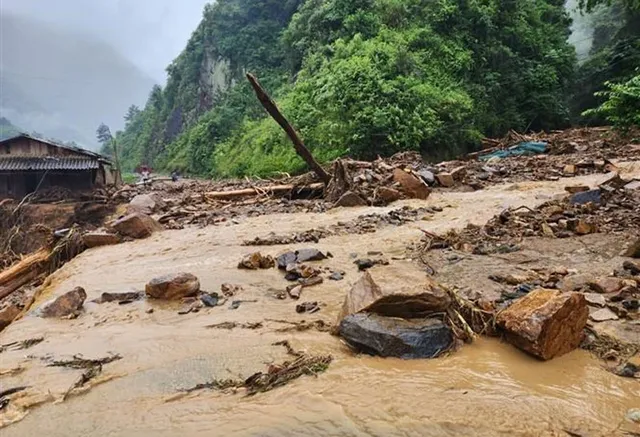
(64, 84)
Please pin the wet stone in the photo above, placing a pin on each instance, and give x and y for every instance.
(427, 176)
(603, 315)
(595, 299)
(350, 199)
(591, 196)
(392, 337)
(336, 276)
(256, 261)
(120, 297)
(411, 185)
(607, 285)
(66, 305)
(173, 286)
(210, 300)
(136, 225)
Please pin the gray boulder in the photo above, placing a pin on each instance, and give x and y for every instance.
(392, 337)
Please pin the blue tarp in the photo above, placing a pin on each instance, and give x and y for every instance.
(527, 148)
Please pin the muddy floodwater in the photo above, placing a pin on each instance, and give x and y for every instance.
(488, 388)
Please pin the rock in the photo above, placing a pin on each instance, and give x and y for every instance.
(545, 323)
(633, 415)
(427, 176)
(445, 179)
(607, 285)
(299, 256)
(613, 181)
(390, 337)
(405, 301)
(584, 228)
(547, 231)
(633, 251)
(295, 291)
(603, 315)
(411, 185)
(66, 305)
(100, 238)
(633, 185)
(595, 299)
(145, 204)
(173, 286)
(573, 189)
(569, 170)
(8, 312)
(136, 225)
(632, 267)
(350, 199)
(591, 196)
(120, 297)
(255, 261)
(366, 263)
(631, 304)
(336, 276)
(387, 195)
(210, 300)
(459, 173)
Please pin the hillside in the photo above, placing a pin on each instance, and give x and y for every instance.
(64, 84)
(361, 78)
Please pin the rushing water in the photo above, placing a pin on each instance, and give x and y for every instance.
(485, 389)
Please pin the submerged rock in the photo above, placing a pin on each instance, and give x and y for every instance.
(391, 337)
(66, 305)
(545, 323)
(173, 286)
(136, 225)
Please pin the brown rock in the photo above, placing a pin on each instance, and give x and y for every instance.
(412, 186)
(173, 286)
(603, 315)
(66, 305)
(350, 199)
(145, 204)
(445, 179)
(387, 195)
(545, 323)
(569, 169)
(607, 285)
(573, 189)
(100, 238)
(136, 225)
(458, 173)
(584, 228)
(406, 301)
(634, 250)
(8, 313)
(257, 261)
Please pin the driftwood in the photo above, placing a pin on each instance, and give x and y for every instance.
(24, 267)
(274, 189)
(273, 110)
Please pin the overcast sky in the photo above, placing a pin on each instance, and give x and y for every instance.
(151, 33)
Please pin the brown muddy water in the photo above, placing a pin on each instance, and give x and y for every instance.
(485, 389)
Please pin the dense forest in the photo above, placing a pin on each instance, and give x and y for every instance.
(373, 77)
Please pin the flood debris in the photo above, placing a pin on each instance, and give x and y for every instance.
(232, 325)
(79, 362)
(256, 261)
(299, 256)
(316, 325)
(173, 286)
(366, 263)
(21, 345)
(67, 305)
(545, 323)
(277, 375)
(236, 303)
(120, 298)
(307, 307)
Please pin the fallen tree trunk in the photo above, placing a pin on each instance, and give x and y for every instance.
(273, 110)
(30, 263)
(274, 189)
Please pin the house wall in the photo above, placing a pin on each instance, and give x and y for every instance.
(31, 147)
(19, 184)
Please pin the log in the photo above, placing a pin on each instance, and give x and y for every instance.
(273, 110)
(273, 189)
(31, 262)
(18, 282)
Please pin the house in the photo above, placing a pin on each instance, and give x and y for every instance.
(28, 164)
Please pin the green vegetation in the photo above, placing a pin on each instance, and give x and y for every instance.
(364, 78)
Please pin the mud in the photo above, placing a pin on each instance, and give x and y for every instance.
(486, 389)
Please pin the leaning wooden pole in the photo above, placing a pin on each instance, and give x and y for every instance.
(273, 110)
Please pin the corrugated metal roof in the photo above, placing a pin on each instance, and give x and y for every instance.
(47, 163)
(62, 146)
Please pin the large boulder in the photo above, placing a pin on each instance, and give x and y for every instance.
(145, 204)
(403, 300)
(66, 305)
(136, 225)
(173, 286)
(392, 337)
(545, 323)
(100, 238)
(411, 185)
